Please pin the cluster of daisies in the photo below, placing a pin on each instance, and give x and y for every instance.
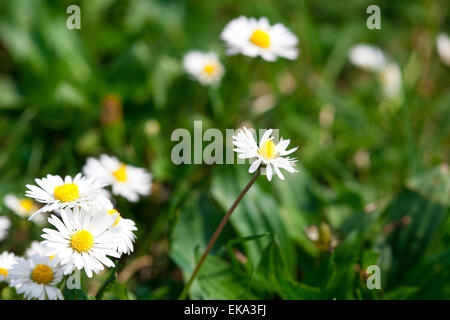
(248, 36)
(254, 38)
(87, 232)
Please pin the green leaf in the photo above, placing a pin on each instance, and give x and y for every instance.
(410, 242)
(74, 294)
(434, 184)
(257, 213)
(273, 273)
(195, 224)
(401, 293)
(218, 280)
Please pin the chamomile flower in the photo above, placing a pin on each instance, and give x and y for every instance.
(36, 278)
(443, 47)
(58, 193)
(23, 207)
(4, 227)
(256, 37)
(7, 260)
(123, 229)
(367, 57)
(203, 67)
(82, 240)
(267, 152)
(127, 181)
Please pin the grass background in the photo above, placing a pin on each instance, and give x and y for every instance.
(117, 86)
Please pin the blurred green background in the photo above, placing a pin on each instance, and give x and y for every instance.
(374, 173)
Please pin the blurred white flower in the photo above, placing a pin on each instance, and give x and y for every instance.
(4, 227)
(312, 233)
(57, 193)
(126, 180)
(36, 278)
(7, 260)
(391, 79)
(36, 248)
(203, 67)
(23, 207)
(373, 59)
(256, 37)
(443, 47)
(322, 236)
(367, 57)
(267, 153)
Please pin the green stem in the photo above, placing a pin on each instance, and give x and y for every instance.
(240, 90)
(216, 235)
(216, 102)
(409, 139)
(3, 285)
(111, 278)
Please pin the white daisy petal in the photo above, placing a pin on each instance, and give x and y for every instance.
(5, 224)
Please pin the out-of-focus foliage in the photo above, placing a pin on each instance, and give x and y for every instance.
(374, 170)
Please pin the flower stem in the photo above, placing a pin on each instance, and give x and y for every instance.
(111, 278)
(216, 235)
(216, 102)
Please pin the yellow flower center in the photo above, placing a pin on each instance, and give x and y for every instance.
(27, 204)
(121, 173)
(209, 69)
(3, 272)
(111, 212)
(82, 241)
(260, 38)
(42, 274)
(67, 192)
(267, 150)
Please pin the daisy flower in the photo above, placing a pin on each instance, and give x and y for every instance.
(59, 193)
(443, 47)
(367, 57)
(36, 278)
(23, 207)
(82, 240)
(268, 153)
(4, 226)
(123, 230)
(126, 180)
(7, 260)
(203, 67)
(256, 37)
